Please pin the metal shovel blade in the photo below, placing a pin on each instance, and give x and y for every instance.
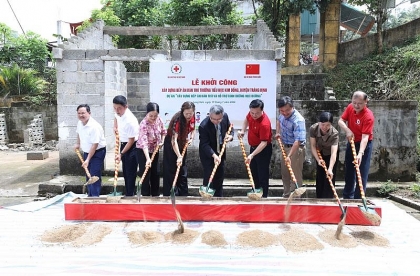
(180, 223)
(206, 192)
(370, 213)
(138, 191)
(340, 226)
(255, 194)
(92, 180)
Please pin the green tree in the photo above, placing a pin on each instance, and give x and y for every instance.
(5, 33)
(203, 13)
(276, 12)
(403, 17)
(16, 81)
(380, 10)
(131, 13)
(28, 51)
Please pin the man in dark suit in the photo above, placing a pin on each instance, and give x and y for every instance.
(212, 132)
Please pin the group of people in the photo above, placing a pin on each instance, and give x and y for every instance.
(357, 122)
(140, 141)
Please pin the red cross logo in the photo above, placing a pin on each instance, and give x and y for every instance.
(176, 68)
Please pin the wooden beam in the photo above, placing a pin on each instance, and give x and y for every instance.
(181, 30)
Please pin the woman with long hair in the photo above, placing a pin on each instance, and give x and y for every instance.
(181, 131)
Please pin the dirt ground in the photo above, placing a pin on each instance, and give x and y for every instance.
(20, 177)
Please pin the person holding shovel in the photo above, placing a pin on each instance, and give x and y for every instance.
(127, 126)
(91, 139)
(324, 138)
(357, 122)
(152, 133)
(259, 139)
(291, 129)
(180, 134)
(212, 132)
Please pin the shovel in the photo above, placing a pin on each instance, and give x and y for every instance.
(343, 211)
(254, 194)
(298, 191)
(178, 216)
(117, 163)
(92, 179)
(368, 212)
(145, 173)
(206, 191)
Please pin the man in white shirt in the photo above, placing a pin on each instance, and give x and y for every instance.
(91, 139)
(128, 128)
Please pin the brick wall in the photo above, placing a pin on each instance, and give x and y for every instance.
(20, 115)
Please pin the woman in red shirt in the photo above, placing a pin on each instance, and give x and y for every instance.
(181, 130)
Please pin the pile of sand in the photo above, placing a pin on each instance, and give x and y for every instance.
(296, 240)
(187, 237)
(79, 235)
(256, 238)
(145, 237)
(345, 241)
(65, 233)
(93, 235)
(369, 238)
(213, 238)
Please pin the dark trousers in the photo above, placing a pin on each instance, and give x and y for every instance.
(169, 170)
(260, 168)
(323, 188)
(129, 168)
(351, 186)
(217, 181)
(95, 167)
(150, 184)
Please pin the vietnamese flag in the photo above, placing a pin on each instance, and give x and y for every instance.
(252, 69)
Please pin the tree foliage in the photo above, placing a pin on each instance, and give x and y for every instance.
(379, 10)
(276, 12)
(203, 13)
(19, 81)
(170, 13)
(28, 51)
(401, 18)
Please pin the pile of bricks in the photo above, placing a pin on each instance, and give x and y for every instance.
(3, 130)
(35, 132)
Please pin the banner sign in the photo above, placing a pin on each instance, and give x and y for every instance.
(231, 84)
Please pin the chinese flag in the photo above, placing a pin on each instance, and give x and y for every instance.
(252, 69)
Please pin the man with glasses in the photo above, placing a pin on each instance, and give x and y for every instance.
(212, 132)
(259, 139)
(357, 122)
(291, 129)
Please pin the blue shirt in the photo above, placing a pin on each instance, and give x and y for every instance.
(293, 128)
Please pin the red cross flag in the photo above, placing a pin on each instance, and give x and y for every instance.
(252, 69)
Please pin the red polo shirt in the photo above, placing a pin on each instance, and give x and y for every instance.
(361, 123)
(258, 130)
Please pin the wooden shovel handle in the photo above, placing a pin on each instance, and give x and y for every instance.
(117, 151)
(356, 165)
(220, 154)
(151, 159)
(289, 167)
(241, 142)
(81, 159)
(328, 176)
(179, 166)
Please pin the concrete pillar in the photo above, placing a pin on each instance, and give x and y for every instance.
(332, 33)
(293, 41)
